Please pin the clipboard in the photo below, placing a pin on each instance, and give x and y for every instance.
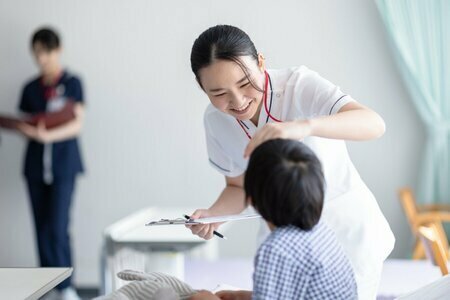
(209, 220)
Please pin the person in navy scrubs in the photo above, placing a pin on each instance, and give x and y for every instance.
(53, 158)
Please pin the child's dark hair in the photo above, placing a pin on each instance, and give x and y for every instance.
(223, 42)
(47, 37)
(284, 182)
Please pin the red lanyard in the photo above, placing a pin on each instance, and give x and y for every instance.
(246, 132)
(265, 107)
(49, 90)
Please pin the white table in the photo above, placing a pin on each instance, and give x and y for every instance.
(129, 244)
(30, 283)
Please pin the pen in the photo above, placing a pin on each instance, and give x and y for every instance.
(214, 232)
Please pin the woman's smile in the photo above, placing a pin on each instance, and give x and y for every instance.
(243, 109)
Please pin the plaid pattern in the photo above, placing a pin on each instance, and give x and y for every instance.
(297, 264)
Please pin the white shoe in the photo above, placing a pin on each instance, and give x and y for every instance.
(69, 294)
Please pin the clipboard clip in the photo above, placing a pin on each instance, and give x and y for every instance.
(177, 221)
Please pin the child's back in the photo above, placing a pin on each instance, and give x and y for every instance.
(296, 264)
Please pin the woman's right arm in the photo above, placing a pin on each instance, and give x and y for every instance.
(230, 201)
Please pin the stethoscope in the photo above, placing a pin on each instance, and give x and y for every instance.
(267, 109)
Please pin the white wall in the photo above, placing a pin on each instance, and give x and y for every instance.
(143, 138)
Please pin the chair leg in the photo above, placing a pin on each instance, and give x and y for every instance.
(419, 250)
(443, 237)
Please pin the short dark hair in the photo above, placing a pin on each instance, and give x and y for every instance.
(284, 182)
(47, 37)
(223, 42)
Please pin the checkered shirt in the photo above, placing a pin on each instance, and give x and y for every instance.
(297, 264)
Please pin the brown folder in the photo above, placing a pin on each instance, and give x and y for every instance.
(9, 122)
(50, 119)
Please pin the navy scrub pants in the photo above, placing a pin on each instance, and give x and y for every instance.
(51, 210)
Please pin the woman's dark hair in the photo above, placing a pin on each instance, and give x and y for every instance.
(222, 42)
(47, 37)
(284, 182)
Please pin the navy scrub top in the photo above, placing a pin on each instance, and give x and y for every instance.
(66, 156)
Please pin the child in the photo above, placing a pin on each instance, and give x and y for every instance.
(301, 258)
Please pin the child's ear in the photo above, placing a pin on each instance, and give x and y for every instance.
(271, 226)
(248, 201)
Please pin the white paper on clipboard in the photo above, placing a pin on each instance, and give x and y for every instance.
(226, 218)
(209, 220)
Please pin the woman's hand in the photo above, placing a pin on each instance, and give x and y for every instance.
(204, 231)
(38, 133)
(234, 295)
(287, 130)
(62, 132)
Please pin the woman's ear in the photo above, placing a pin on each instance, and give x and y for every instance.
(261, 62)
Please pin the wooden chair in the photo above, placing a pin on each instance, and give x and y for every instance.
(434, 247)
(419, 215)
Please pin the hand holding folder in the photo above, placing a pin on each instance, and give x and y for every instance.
(218, 219)
(216, 233)
(181, 221)
(50, 119)
(209, 220)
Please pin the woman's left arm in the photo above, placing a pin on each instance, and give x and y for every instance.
(353, 122)
(60, 133)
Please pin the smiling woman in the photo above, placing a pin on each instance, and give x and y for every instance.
(240, 98)
(251, 104)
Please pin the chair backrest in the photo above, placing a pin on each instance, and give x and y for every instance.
(409, 206)
(434, 248)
